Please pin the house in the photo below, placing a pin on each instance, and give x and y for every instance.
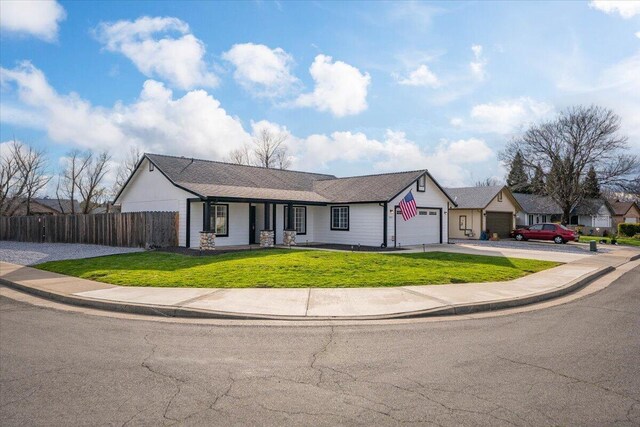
(479, 209)
(595, 213)
(47, 206)
(536, 209)
(225, 204)
(625, 212)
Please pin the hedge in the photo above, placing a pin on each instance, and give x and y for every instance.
(628, 229)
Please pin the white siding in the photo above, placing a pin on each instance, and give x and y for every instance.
(431, 198)
(238, 225)
(151, 191)
(365, 225)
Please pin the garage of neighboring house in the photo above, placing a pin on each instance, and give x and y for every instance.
(490, 209)
(499, 222)
(425, 227)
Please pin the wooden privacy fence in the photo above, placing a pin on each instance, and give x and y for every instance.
(133, 229)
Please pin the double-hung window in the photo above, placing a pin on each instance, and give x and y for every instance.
(340, 218)
(299, 219)
(220, 220)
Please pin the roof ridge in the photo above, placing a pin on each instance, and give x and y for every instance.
(379, 174)
(235, 164)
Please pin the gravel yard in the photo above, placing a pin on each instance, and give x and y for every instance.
(578, 248)
(25, 253)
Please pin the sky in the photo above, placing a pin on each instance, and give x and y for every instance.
(358, 87)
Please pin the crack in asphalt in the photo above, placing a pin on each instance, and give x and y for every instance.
(569, 377)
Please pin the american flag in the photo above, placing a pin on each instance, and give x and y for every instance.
(408, 207)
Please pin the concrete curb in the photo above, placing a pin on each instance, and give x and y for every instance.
(448, 310)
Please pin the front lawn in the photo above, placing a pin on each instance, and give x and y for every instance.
(282, 268)
(628, 241)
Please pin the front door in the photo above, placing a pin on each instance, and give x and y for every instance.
(252, 225)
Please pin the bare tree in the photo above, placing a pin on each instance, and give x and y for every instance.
(240, 156)
(69, 180)
(488, 182)
(90, 180)
(22, 177)
(125, 169)
(566, 147)
(270, 150)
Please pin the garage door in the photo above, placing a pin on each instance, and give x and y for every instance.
(499, 222)
(422, 228)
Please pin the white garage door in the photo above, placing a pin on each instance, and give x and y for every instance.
(422, 228)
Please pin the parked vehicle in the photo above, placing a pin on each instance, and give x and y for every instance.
(556, 232)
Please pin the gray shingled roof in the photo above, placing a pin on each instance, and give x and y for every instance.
(366, 188)
(473, 197)
(217, 179)
(591, 207)
(536, 204)
(55, 204)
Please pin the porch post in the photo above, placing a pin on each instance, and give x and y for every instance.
(206, 221)
(207, 237)
(290, 224)
(267, 234)
(289, 236)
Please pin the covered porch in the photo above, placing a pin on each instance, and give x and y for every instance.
(227, 222)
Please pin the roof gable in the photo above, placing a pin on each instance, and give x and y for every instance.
(537, 204)
(478, 197)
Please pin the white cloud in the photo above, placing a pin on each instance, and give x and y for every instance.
(339, 88)
(421, 76)
(177, 59)
(192, 125)
(37, 18)
(260, 70)
(395, 152)
(456, 122)
(638, 34)
(508, 116)
(627, 9)
(479, 63)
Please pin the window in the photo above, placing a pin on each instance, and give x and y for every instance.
(150, 167)
(340, 218)
(299, 219)
(549, 227)
(500, 196)
(220, 220)
(544, 218)
(530, 219)
(422, 183)
(537, 227)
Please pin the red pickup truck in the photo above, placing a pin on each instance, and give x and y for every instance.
(556, 232)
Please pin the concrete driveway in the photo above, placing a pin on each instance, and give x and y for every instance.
(25, 253)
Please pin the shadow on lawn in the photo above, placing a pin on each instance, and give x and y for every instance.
(460, 258)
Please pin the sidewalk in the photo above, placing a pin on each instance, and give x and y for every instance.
(315, 303)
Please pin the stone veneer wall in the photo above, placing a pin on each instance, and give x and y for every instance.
(207, 240)
(267, 238)
(289, 237)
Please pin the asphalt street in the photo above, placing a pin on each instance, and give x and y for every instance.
(572, 364)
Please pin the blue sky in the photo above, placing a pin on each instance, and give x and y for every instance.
(358, 87)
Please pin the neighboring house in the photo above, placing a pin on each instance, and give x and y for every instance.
(48, 206)
(479, 209)
(537, 209)
(596, 213)
(628, 212)
(238, 202)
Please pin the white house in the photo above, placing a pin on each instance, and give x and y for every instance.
(243, 205)
(595, 213)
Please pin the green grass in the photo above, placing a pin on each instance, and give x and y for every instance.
(282, 268)
(628, 241)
